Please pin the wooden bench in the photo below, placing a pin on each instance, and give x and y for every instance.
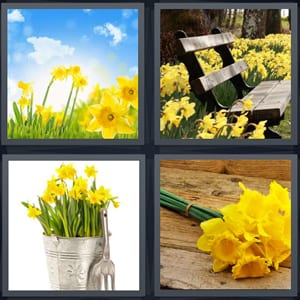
(270, 98)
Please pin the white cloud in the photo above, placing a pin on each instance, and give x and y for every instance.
(87, 10)
(46, 48)
(127, 13)
(133, 70)
(15, 16)
(110, 30)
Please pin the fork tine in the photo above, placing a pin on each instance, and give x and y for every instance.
(99, 287)
(106, 282)
(112, 281)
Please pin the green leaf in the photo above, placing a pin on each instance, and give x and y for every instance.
(17, 114)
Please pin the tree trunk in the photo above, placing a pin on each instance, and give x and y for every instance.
(221, 16)
(233, 19)
(289, 19)
(229, 13)
(273, 23)
(254, 23)
(193, 21)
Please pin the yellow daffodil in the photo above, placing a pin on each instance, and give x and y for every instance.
(247, 104)
(26, 88)
(80, 81)
(59, 73)
(33, 212)
(109, 117)
(225, 248)
(93, 197)
(250, 266)
(39, 109)
(48, 197)
(205, 135)
(90, 171)
(81, 185)
(103, 194)
(96, 93)
(58, 118)
(23, 102)
(46, 114)
(66, 171)
(116, 204)
(74, 71)
(128, 90)
(207, 123)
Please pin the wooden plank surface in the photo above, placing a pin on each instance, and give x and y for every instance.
(270, 99)
(213, 79)
(183, 266)
(191, 44)
(281, 169)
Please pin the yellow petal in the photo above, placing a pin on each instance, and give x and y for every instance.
(219, 265)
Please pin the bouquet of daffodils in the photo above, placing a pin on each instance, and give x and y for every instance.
(70, 205)
(250, 237)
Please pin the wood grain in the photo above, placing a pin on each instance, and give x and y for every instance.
(213, 79)
(270, 99)
(183, 266)
(273, 169)
(181, 269)
(191, 44)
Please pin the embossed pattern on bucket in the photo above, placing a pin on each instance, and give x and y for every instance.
(69, 260)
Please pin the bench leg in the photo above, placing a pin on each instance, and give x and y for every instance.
(272, 134)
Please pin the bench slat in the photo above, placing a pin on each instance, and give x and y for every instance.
(270, 99)
(191, 44)
(208, 82)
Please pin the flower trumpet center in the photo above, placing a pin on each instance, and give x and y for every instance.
(110, 117)
(107, 117)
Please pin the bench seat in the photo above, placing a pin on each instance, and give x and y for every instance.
(270, 99)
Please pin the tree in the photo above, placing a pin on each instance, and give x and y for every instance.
(233, 19)
(193, 21)
(254, 23)
(273, 22)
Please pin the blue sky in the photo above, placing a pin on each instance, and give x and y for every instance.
(104, 42)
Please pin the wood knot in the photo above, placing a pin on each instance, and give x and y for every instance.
(235, 179)
(217, 193)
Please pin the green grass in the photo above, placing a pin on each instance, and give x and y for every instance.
(284, 128)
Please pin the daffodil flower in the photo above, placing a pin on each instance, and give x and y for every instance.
(33, 212)
(109, 117)
(253, 236)
(128, 90)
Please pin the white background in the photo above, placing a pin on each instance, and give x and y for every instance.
(27, 261)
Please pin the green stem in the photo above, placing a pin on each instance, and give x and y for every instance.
(47, 91)
(178, 204)
(30, 110)
(72, 109)
(67, 106)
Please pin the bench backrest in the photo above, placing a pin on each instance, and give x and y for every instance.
(202, 84)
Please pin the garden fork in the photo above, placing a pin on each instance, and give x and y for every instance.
(105, 268)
